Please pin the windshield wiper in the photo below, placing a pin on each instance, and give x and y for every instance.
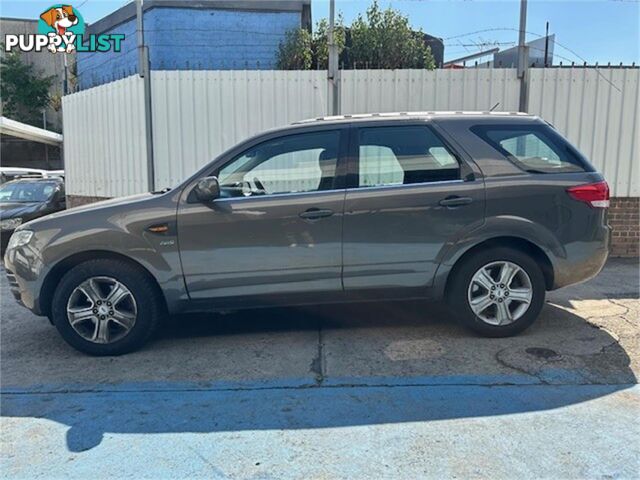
(164, 190)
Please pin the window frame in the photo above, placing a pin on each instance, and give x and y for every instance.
(545, 132)
(353, 178)
(339, 179)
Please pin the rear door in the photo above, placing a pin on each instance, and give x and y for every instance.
(409, 195)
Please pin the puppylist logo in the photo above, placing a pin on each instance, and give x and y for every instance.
(61, 28)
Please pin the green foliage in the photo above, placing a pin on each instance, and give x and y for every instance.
(295, 52)
(320, 45)
(384, 39)
(24, 93)
(380, 39)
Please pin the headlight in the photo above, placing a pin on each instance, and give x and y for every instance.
(19, 239)
(10, 223)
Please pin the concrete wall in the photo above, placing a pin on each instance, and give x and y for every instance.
(16, 152)
(97, 68)
(45, 63)
(193, 39)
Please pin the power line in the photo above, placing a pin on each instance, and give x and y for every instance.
(539, 36)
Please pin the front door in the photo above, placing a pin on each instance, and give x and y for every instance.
(277, 227)
(408, 198)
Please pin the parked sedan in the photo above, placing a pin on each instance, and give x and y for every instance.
(26, 199)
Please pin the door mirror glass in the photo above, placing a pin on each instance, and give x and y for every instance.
(207, 189)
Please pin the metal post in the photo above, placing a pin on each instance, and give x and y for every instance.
(65, 81)
(546, 46)
(144, 72)
(46, 148)
(523, 58)
(332, 70)
(140, 37)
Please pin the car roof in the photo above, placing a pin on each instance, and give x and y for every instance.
(35, 179)
(20, 170)
(426, 115)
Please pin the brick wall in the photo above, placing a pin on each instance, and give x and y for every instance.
(624, 218)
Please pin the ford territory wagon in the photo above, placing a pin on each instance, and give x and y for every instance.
(485, 210)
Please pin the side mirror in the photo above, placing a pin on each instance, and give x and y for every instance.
(207, 189)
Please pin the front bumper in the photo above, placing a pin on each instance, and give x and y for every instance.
(25, 275)
(14, 287)
(5, 235)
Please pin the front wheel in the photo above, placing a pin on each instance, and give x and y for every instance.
(498, 292)
(106, 307)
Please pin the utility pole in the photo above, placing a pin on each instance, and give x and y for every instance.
(144, 72)
(332, 71)
(523, 58)
(546, 45)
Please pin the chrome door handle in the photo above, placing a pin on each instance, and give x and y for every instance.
(315, 213)
(455, 201)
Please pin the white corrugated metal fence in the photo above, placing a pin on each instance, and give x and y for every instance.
(477, 89)
(597, 110)
(199, 114)
(104, 140)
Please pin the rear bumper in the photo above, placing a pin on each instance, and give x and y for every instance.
(583, 260)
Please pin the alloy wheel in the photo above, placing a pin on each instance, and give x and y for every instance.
(500, 293)
(102, 310)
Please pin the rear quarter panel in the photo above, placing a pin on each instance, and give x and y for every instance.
(534, 207)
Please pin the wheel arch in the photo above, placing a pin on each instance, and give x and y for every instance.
(516, 243)
(54, 276)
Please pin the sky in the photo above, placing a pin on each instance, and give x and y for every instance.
(589, 30)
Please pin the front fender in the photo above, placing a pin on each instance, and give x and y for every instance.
(120, 230)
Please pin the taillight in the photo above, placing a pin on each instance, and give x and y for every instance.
(595, 194)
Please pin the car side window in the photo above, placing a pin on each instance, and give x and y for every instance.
(404, 155)
(295, 163)
(532, 148)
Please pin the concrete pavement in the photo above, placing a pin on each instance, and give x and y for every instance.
(381, 390)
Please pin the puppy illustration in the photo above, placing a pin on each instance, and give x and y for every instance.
(60, 19)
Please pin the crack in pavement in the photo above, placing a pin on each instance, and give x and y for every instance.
(313, 386)
(318, 362)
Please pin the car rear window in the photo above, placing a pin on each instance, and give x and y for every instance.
(534, 148)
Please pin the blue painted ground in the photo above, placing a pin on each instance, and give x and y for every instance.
(364, 392)
(526, 431)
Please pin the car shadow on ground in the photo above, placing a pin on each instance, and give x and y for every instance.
(563, 360)
(311, 317)
(618, 280)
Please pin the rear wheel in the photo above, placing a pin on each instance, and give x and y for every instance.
(106, 307)
(497, 292)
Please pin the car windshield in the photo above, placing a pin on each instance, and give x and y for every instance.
(24, 192)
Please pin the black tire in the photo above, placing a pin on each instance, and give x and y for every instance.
(149, 305)
(463, 273)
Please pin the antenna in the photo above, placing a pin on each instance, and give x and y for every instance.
(494, 107)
